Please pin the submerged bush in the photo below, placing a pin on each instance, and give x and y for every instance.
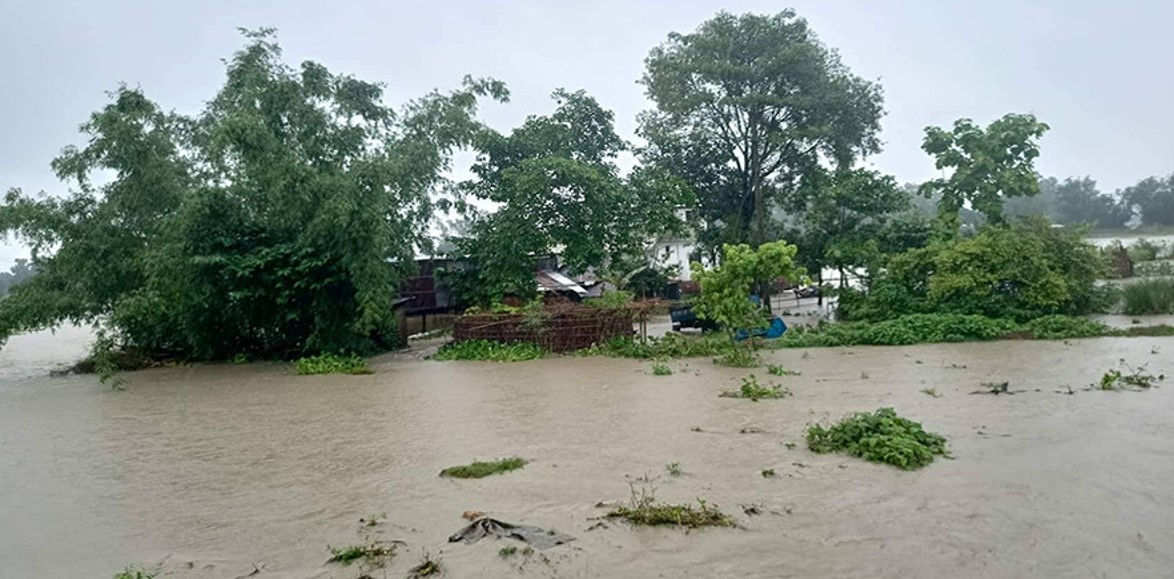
(1151, 296)
(1063, 327)
(672, 345)
(881, 436)
(333, 364)
(490, 351)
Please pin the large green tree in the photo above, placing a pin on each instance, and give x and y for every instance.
(845, 219)
(986, 166)
(745, 107)
(555, 186)
(275, 222)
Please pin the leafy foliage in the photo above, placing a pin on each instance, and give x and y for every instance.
(484, 469)
(274, 223)
(725, 289)
(490, 351)
(333, 364)
(881, 436)
(661, 369)
(987, 166)
(745, 106)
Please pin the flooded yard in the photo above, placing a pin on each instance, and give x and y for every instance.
(214, 471)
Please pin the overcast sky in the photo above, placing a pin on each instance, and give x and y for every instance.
(1100, 73)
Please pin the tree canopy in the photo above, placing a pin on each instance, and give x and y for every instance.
(555, 185)
(275, 222)
(745, 107)
(987, 166)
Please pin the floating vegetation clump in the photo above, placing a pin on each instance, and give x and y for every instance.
(1127, 377)
(880, 436)
(484, 469)
(777, 370)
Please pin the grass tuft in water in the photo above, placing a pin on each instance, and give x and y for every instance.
(375, 552)
(484, 469)
(645, 510)
(661, 369)
(427, 567)
(674, 468)
(768, 473)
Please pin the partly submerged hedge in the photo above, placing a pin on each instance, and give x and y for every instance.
(902, 331)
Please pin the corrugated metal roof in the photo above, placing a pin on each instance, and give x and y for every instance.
(553, 281)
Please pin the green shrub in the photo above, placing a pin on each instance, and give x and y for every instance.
(484, 469)
(490, 351)
(879, 437)
(1018, 273)
(333, 364)
(661, 369)
(1151, 296)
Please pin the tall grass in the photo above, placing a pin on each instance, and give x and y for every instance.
(1152, 296)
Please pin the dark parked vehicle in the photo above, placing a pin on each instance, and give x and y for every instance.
(683, 316)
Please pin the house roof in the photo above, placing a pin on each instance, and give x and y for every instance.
(553, 281)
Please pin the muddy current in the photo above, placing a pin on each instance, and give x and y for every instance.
(215, 471)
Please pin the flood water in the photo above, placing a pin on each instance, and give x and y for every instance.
(207, 471)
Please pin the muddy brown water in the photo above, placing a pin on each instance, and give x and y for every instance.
(205, 471)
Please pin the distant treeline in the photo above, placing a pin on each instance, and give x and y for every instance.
(1150, 202)
(16, 274)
